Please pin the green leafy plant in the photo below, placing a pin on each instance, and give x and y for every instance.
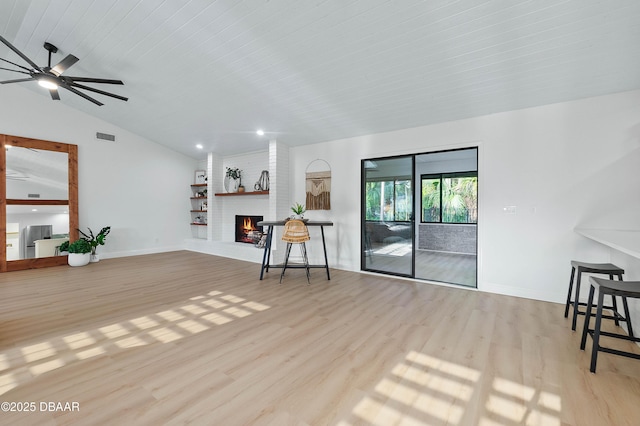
(81, 246)
(95, 240)
(298, 209)
(64, 247)
(234, 173)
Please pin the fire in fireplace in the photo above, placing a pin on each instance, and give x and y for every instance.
(247, 230)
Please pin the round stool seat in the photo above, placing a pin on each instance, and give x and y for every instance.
(597, 268)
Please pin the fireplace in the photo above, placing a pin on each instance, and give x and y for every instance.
(247, 230)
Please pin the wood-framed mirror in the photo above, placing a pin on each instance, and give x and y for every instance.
(39, 196)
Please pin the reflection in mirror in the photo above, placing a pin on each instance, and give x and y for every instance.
(35, 231)
(36, 174)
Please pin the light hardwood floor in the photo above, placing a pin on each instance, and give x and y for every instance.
(185, 337)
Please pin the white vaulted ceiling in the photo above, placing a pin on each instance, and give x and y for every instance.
(212, 72)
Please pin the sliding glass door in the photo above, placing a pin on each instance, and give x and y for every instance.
(440, 242)
(387, 208)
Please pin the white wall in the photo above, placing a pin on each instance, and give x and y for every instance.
(136, 186)
(562, 165)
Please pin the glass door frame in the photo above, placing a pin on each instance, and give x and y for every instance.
(363, 221)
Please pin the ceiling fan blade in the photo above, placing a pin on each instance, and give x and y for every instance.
(9, 69)
(79, 93)
(93, 80)
(19, 53)
(13, 63)
(102, 92)
(54, 94)
(64, 64)
(20, 80)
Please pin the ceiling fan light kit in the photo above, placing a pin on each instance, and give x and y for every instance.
(52, 79)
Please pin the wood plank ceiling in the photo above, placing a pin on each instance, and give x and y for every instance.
(212, 72)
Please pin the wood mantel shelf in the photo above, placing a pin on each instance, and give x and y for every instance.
(231, 194)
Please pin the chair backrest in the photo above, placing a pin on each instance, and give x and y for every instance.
(295, 231)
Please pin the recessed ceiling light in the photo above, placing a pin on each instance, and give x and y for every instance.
(34, 210)
(199, 146)
(260, 132)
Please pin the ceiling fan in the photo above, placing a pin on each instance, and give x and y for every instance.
(52, 78)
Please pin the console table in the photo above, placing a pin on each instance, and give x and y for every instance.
(267, 247)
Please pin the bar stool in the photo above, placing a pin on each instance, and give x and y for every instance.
(296, 232)
(592, 268)
(613, 288)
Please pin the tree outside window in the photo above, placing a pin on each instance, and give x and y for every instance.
(450, 198)
(389, 200)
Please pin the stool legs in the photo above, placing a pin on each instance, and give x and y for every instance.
(576, 302)
(626, 315)
(587, 317)
(566, 307)
(596, 330)
(303, 250)
(596, 333)
(286, 260)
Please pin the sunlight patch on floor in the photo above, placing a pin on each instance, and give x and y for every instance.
(79, 340)
(395, 249)
(200, 313)
(522, 404)
(426, 390)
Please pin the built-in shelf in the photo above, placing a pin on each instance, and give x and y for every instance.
(199, 202)
(228, 194)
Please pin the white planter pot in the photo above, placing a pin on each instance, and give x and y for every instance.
(78, 259)
(95, 258)
(231, 185)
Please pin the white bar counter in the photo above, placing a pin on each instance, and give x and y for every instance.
(626, 241)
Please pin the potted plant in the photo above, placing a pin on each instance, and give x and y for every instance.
(233, 179)
(79, 253)
(64, 247)
(95, 240)
(298, 210)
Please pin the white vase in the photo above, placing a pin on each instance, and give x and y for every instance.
(231, 185)
(94, 258)
(78, 259)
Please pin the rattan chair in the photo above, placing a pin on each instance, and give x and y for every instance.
(296, 232)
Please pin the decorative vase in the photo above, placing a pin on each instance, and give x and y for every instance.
(78, 259)
(231, 185)
(94, 258)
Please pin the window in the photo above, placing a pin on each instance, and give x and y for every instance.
(389, 200)
(450, 198)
